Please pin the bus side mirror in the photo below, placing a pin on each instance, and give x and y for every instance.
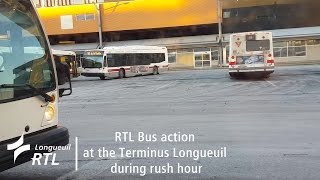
(63, 74)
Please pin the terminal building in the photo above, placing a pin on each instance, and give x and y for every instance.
(196, 32)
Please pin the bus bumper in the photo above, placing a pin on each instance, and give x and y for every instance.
(56, 136)
(93, 74)
(251, 72)
(239, 70)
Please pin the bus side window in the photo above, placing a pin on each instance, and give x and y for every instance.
(111, 58)
(117, 59)
(159, 58)
(138, 58)
(124, 60)
(127, 57)
(162, 58)
(155, 58)
(146, 58)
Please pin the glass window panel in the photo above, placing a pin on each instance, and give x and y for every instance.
(80, 17)
(215, 54)
(111, 60)
(201, 49)
(226, 14)
(184, 50)
(280, 44)
(198, 64)
(172, 58)
(297, 51)
(148, 57)
(206, 64)
(280, 52)
(206, 57)
(89, 17)
(153, 58)
(161, 57)
(258, 45)
(198, 57)
(76, 2)
(24, 53)
(313, 42)
(141, 59)
(117, 59)
(123, 60)
(128, 58)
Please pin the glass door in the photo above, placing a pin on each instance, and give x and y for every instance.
(202, 59)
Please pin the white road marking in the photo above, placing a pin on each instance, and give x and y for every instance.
(91, 169)
(317, 80)
(164, 86)
(271, 83)
(76, 154)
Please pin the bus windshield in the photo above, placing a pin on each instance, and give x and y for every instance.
(92, 62)
(25, 62)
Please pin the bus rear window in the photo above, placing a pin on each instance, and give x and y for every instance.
(258, 45)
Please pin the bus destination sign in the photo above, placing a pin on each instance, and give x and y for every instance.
(94, 53)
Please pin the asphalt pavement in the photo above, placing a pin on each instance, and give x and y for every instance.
(270, 127)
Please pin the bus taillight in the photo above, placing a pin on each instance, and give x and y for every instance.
(270, 61)
(232, 61)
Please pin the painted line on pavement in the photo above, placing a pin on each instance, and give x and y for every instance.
(271, 83)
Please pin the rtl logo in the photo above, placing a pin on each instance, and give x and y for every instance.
(19, 148)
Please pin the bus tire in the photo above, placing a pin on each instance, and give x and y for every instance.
(266, 75)
(155, 70)
(233, 75)
(102, 77)
(121, 74)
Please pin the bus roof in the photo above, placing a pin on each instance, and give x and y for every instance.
(130, 49)
(252, 32)
(137, 47)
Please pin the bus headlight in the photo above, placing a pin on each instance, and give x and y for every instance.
(50, 112)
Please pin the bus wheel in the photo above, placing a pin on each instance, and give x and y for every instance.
(266, 76)
(233, 75)
(121, 74)
(155, 70)
(102, 77)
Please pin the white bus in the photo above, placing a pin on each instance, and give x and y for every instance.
(28, 86)
(124, 61)
(251, 54)
(68, 57)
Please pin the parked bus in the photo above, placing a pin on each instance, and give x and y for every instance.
(251, 54)
(124, 61)
(28, 86)
(68, 57)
